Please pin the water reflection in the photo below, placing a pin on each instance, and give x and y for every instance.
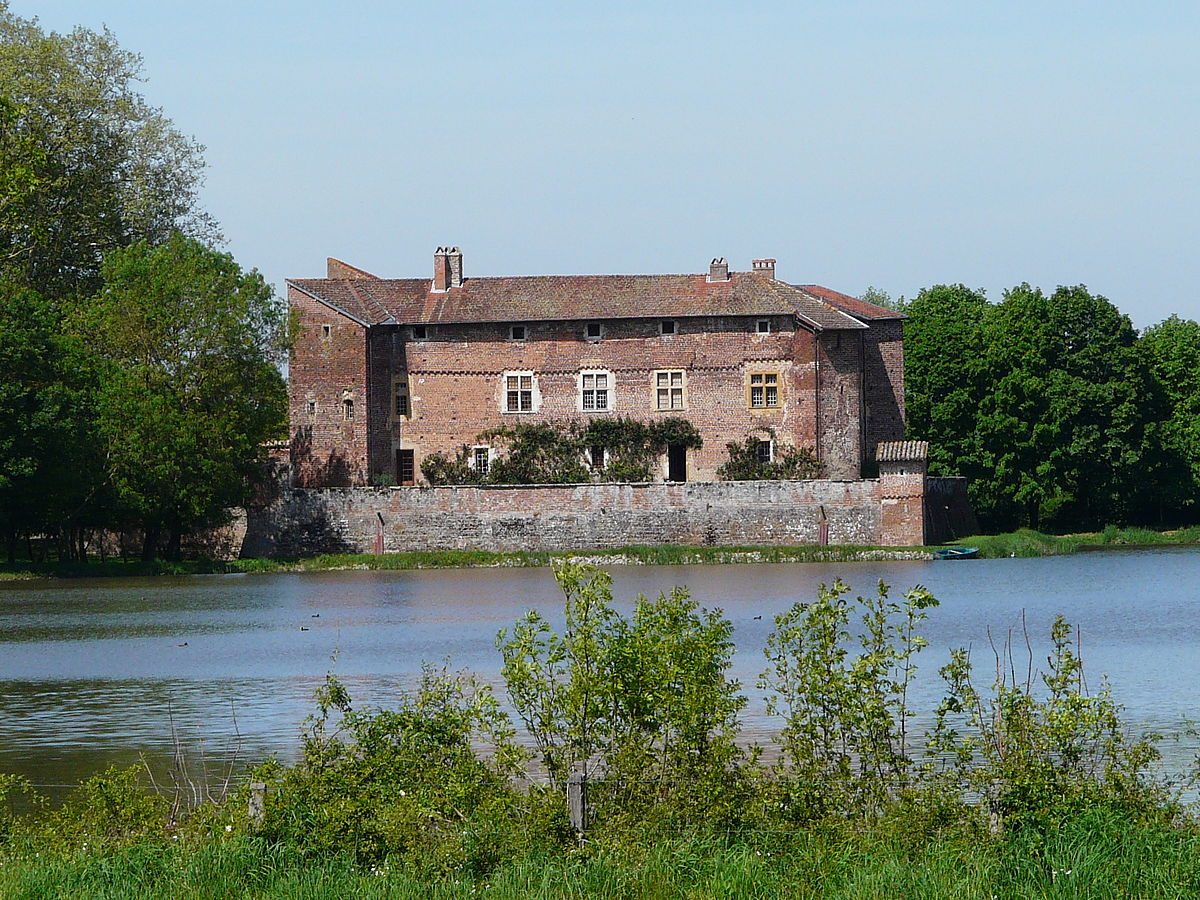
(96, 672)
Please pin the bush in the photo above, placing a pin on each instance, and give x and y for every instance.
(406, 783)
(788, 463)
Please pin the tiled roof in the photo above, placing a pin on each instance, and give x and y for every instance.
(572, 297)
(858, 308)
(901, 451)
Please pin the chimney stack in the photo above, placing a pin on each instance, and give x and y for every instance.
(764, 267)
(447, 269)
(718, 269)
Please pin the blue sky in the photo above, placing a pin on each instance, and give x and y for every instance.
(891, 144)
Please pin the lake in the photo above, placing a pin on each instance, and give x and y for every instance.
(94, 672)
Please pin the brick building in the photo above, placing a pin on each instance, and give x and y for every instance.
(386, 371)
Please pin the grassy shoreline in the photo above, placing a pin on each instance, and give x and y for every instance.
(1021, 543)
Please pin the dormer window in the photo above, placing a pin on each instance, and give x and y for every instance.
(516, 332)
(593, 331)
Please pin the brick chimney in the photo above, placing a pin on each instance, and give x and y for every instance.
(447, 269)
(763, 267)
(718, 269)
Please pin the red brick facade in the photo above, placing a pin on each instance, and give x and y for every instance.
(838, 369)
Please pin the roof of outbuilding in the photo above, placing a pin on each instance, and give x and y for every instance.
(378, 301)
(901, 451)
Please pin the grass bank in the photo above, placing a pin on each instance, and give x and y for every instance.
(1098, 856)
(1021, 543)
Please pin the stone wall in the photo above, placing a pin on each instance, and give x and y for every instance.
(887, 511)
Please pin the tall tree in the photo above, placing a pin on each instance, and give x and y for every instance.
(189, 347)
(1171, 349)
(943, 377)
(88, 165)
(1062, 428)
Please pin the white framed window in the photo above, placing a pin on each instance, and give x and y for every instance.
(420, 332)
(516, 332)
(765, 451)
(519, 389)
(763, 326)
(311, 410)
(481, 459)
(348, 409)
(326, 331)
(666, 326)
(595, 391)
(762, 391)
(593, 331)
(669, 385)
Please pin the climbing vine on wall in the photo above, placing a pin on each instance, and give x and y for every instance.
(746, 462)
(562, 453)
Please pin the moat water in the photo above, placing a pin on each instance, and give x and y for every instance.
(96, 672)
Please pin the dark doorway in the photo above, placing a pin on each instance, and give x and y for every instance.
(676, 462)
(406, 471)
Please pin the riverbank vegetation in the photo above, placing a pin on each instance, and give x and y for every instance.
(1021, 543)
(1022, 784)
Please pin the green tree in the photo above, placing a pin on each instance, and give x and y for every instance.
(1062, 427)
(188, 347)
(943, 374)
(86, 165)
(1171, 349)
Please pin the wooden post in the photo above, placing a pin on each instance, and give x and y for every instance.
(577, 802)
(258, 792)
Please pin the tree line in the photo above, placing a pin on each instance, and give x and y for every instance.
(139, 364)
(1059, 412)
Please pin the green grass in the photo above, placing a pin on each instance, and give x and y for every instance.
(1021, 543)
(1100, 855)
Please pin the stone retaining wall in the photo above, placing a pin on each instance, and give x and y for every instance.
(887, 511)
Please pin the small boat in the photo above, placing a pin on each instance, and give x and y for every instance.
(956, 553)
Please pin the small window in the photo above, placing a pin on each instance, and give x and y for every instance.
(312, 410)
(517, 332)
(348, 410)
(420, 332)
(763, 326)
(596, 457)
(595, 387)
(326, 331)
(764, 390)
(668, 389)
(401, 406)
(666, 326)
(765, 452)
(406, 468)
(518, 393)
(594, 331)
(483, 460)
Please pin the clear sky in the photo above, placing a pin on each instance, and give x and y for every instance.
(859, 143)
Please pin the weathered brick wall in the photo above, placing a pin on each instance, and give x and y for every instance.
(327, 449)
(839, 396)
(456, 386)
(883, 387)
(588, 516)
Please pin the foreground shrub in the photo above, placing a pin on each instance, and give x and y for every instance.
(1040, 757)
(641, 706)
(407, 783)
